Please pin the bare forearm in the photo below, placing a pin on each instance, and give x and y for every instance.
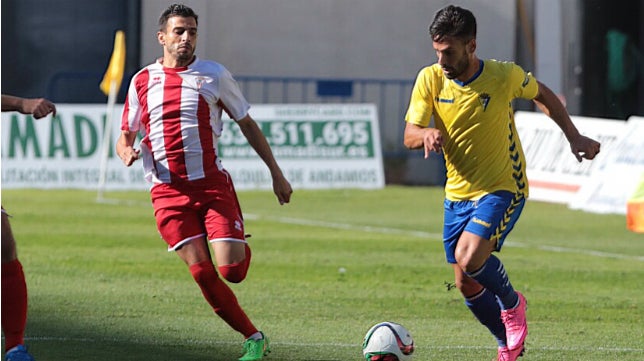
(125, 148)
(413, 137)
(11, 103)
(429, 139)
(38, 107)
(551, 106)
(258, 141)
(581, 146)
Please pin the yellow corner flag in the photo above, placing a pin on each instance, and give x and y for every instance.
(117, 64)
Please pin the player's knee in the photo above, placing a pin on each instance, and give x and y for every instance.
(203, 272)
(470, 261)
(235, 272)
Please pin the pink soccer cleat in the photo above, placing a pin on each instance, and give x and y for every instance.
(516, 325)
(506, 354)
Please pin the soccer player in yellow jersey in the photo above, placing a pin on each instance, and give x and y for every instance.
(470, 102)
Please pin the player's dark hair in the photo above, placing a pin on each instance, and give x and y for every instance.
(455, 22)
(176, 10)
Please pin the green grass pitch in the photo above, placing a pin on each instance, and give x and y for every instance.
(103, 287)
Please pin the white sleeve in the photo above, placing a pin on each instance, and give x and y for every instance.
(131, 119)
(231, 97)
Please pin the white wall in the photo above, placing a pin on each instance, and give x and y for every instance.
(382, 39)
(347, 39)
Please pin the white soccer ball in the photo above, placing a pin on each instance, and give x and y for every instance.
(388, 341)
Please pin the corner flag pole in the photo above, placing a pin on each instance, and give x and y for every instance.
(110, 86)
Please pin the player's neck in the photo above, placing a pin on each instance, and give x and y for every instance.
(172, 62)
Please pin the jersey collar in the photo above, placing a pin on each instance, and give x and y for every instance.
(177, 69)
(476, 75)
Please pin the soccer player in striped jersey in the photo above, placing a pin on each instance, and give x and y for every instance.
(14, 287)
(176, 103)
(470, 102)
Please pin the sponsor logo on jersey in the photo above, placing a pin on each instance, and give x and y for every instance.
(445, 100)
(156, 80)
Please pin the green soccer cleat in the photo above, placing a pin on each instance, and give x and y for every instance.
(255, 349)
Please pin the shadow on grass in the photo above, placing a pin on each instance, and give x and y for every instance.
(65, 340)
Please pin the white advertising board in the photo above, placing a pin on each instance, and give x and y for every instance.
(317, 146)
(63, 151)
(621, 171)
(553, 172)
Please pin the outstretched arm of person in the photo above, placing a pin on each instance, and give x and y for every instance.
(256, 139)
(549, 103)
(416, 137)
(125, 148)
(38, 107)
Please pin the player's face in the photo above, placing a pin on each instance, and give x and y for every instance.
(453, 56)
(179, 39)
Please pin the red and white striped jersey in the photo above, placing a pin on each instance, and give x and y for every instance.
(178, 112)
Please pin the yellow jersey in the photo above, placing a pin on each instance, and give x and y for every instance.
(482, 150)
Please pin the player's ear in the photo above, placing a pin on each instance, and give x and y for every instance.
(161, 37)
(471, 46)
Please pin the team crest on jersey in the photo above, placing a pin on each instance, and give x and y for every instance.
(200, 81)
(484, 98)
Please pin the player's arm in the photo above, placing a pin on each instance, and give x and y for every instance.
(125, 147)
(416, 137)
(417, 133)
(256, 139)
(549, 103)
(39, 107)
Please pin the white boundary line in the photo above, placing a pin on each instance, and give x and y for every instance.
(345, 226)
(404, 232)
(433, 236)
(330, 344)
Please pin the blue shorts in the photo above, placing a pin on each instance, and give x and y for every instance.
(491, 217)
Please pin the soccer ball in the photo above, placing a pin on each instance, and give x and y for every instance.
(388, 341)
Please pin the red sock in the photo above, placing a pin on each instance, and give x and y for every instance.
(221, 298)
(14, 304)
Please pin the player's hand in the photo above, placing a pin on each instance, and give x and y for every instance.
(584, 147)
(282, 189)
(38, 107)
(129, 156)
(432, 141)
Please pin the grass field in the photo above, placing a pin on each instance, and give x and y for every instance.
(103, 287)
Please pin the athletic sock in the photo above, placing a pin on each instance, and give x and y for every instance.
(221, 298)
(486, 309)
(256, 336)
(14, 304)
(493, 277)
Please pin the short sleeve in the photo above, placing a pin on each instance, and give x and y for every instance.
(524, 84)
(231, 97)
(421, 103)
(131, 118)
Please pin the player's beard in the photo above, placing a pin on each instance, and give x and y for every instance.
(185, 54)
(458, 69)
(184, 57)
